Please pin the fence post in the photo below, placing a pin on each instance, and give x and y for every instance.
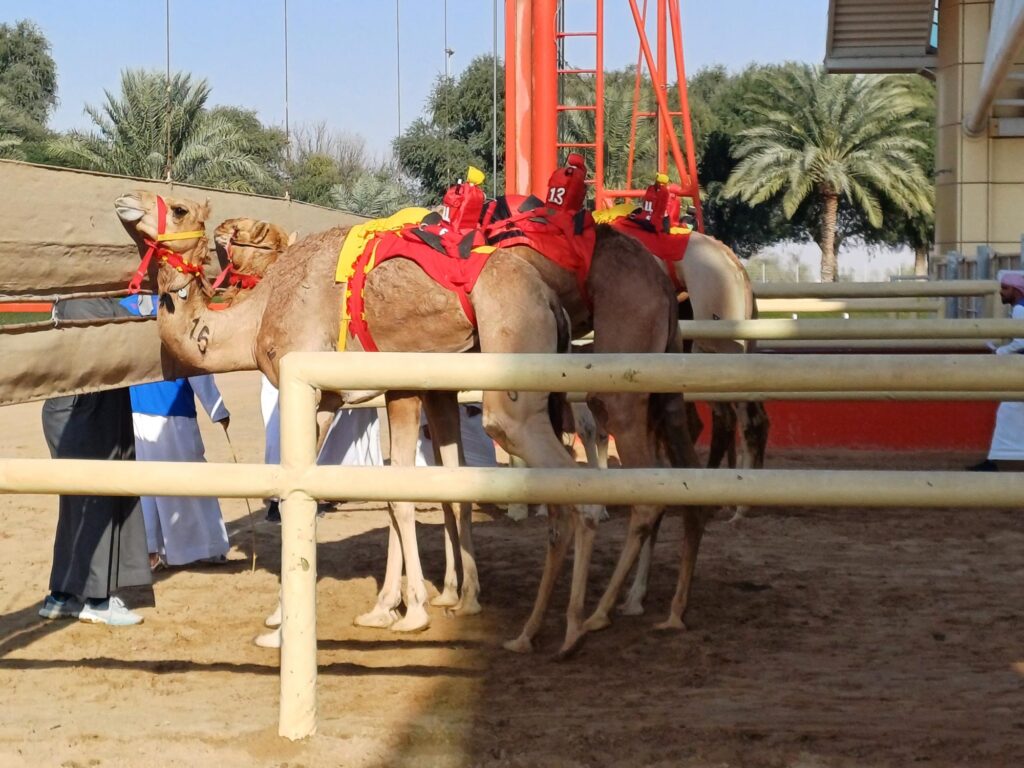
(952, 273)
(983, 306)
(297, 717)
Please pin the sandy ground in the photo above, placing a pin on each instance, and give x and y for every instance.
(845, 637)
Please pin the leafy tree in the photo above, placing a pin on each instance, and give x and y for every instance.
(455, 132)
(136, 129)
(28, 76)
(825, 138)
(313, 179)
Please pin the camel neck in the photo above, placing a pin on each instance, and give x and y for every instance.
(205, 340)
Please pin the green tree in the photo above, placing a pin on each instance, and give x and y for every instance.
(28, 88)
(374, 193)
(455, 132)
(135, 130)
(28, 76)
(720, 111)
(266, 145)
(577, 126)
(823, 137)
(313, 179)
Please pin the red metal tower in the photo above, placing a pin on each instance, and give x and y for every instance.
(532, 107)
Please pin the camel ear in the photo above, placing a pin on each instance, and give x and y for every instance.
(292, 238)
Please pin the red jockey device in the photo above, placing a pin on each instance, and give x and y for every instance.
(567, 187)
(464, 202)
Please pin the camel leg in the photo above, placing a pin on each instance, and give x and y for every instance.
(625, 416)
(694, 521)
(404, 419)
(516, 511)
(633, 605)
(753, 426)
(443, 416)
(723, 435)
(559, 525)
(524, 426)
(385, 612)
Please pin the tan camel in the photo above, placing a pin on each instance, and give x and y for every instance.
(248, 247)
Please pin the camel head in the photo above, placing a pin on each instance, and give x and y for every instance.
(171, 229)
(250, 246)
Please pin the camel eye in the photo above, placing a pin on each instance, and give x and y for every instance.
(179, 211)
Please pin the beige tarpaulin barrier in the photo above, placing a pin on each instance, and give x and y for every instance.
(59, 235)
(70, 361)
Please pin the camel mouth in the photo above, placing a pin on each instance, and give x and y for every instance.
(129, 208)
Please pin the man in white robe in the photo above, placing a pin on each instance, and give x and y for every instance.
(1007, 448)
(353, 439)
(179, 529)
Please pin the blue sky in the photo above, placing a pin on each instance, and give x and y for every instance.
(342, 52)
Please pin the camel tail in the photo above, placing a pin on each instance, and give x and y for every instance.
(558, 405)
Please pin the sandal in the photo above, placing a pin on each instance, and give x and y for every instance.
(157, 563)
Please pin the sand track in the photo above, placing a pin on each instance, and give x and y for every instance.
(847, 637)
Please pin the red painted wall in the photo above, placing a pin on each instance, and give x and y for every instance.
(892, 426)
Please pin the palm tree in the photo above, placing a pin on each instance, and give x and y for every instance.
(823, 137)
(577, 126)
(152, 133)
(374, 193)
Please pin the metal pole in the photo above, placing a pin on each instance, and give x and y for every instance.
(167, 28)
(398, 62)
(494, 102)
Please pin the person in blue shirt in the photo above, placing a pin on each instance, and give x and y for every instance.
(179, 530)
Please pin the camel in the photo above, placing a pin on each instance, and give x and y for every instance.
(246, 248)
(716, 287)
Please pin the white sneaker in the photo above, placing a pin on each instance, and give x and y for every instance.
(112, 612)
(274, 619)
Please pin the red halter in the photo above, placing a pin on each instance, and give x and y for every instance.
(165, 255)
(233, 276)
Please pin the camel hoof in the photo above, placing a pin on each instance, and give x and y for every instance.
(274, 619)
(269, 639)
(378, 618)
(632, 608)
(671, 624)
(738, 516)
(571, 646)
(446, 599)
(415, 620)
(521, 644)
(597, 622)
(468, 607)
(518, 512)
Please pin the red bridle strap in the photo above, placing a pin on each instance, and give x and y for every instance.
(233, 276)
(164, 255)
